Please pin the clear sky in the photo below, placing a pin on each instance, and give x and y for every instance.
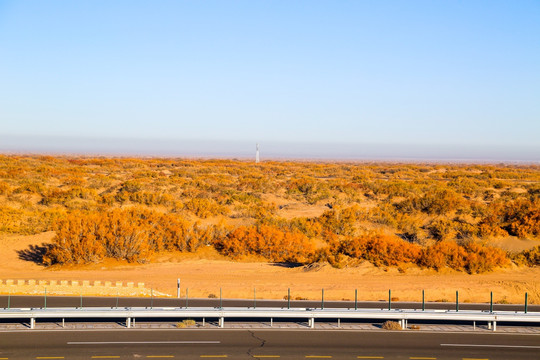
(387, 75)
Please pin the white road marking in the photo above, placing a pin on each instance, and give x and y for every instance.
(494, 346)
(139, 342)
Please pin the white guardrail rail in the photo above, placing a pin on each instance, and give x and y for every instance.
(309, 314)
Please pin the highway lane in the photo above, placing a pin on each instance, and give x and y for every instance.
(75, 301)
(265, 344)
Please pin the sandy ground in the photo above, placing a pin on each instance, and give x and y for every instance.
(238, 279)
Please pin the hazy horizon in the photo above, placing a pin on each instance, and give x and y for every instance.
(270, 150)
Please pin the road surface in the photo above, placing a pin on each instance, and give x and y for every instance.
(264, 344)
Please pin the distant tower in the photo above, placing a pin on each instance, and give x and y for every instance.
(257, 154)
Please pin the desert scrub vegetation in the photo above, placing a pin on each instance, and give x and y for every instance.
(391, 325)
(432, 215)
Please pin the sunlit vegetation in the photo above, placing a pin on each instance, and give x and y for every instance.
(433, 215)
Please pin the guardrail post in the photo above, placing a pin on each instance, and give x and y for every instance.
(355, 299)
(288, 298)
(322, 299)
(423, 301)
(457, 301)
(526, 298)
(221, 322)
(128, 322)
(312, 325)
(271, 322)
(494, 326)
(32, 323)
(389, 299)
(339, 323)
(63, 323)
(491, 302)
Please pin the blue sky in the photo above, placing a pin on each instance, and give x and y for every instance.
(328, 74)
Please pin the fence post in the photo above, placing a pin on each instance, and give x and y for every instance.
(457, 301)
(389, 299)
(254, 298)
(526, 298)
(81, 301)
(9, 302)
(151, 298)
(187, 297)
(322, 299)
(45, 304)
(288, 298)
(355, 299)
(178, 288)
(117, 295)
(220, 299)
(423, 301)
(491, 302)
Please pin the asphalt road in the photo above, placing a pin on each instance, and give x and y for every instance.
(264, 344)
(74, 301)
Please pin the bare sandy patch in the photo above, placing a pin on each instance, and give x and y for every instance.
(290, 209)
(513, 244)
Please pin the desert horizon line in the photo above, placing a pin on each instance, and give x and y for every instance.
(269, 149)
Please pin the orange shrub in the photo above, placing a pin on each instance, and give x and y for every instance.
(471, 257)
(267, 241)
(380, 249)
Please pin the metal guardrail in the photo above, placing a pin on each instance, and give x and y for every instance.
(310, 314)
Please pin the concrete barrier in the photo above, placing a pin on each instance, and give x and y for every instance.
(75, 287)
(309, 315)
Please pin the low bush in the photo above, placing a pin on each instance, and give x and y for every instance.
(391, 325)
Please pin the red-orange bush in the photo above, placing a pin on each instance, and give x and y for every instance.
(380, 249)
(267, 241)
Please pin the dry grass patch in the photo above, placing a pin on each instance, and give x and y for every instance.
(186, 323)
(391, 325)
